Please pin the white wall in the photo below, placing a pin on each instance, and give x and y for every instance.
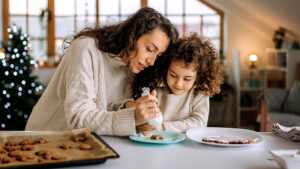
(244, 32)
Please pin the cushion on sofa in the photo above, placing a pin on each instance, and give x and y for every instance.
(292, 104)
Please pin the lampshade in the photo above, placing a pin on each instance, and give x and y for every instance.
(253, 57)
(2, 54)
(253, 60)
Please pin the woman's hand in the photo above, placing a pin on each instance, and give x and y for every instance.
(146, 109)
(145, 129)
(130, 104)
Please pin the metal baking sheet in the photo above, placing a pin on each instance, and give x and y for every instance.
(100, 152)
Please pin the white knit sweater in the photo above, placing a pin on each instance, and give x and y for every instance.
(86, 90)
(182, 112)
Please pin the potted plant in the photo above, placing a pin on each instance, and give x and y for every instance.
(278, 37)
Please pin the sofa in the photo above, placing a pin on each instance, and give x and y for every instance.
(271, 110)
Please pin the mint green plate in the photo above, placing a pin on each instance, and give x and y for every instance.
(169, 137)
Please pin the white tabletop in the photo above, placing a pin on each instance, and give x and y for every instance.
(189, 155)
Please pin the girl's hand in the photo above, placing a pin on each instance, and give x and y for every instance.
(145, 129)
(130, 104)
(146, 109)
(162, 127)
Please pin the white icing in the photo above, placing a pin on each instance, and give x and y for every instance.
(226, 139)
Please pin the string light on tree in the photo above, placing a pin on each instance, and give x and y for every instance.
(19, 90)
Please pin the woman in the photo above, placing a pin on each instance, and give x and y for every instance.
(93, 79)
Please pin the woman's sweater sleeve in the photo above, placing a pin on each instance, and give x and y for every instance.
(198, 116)
(82, 92)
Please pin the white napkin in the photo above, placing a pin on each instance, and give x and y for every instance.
(290, 133)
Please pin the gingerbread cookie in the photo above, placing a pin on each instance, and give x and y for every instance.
(25, 157)
(47, 157)
(85, 147)
(8, 160)
(56, 157)
(2, 151)
(41, 141)
(27, 147)
(157, 137)
(12, 143)
(16, 153)
(11, 148)
(79, 139)
(65, 146)
(43, 152)
(27, 142)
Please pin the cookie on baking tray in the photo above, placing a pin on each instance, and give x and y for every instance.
(41, 141)
(85, 147)
(79, 139)
(27, 147)
(66, 146)
(27, 142)
(12, 143)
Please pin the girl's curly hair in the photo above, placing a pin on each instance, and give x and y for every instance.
(122, 37)
(192, 50)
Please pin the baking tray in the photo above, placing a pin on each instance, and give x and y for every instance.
(99, 154)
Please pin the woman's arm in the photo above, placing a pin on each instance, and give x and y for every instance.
(85, 103)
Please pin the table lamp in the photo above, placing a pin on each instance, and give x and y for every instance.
(2, 54)
(253, 59)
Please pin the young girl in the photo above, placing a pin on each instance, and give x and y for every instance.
(193, 73)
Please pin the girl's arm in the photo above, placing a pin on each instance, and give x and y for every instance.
(198, 117)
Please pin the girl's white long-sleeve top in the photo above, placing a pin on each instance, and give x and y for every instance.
(182, 112)
(86, 90)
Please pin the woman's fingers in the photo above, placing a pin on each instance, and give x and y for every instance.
(155, 114)
(144, 115)
(146, 105)
(146, 108)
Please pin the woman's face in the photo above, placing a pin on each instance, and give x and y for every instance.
(181, 78)
(148, 47)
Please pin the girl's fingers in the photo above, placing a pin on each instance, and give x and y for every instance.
(153, 93)
(148, 98)
(146, 127)
(146, 133)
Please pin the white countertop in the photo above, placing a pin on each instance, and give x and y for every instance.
(189, 155)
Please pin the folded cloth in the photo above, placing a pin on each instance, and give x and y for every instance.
(290, 133)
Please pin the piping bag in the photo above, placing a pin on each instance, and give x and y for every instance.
(157, 121)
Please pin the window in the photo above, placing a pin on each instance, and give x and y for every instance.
(26, 15)
(62, 18)
(193, 16)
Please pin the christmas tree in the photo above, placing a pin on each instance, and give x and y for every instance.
(19, 90)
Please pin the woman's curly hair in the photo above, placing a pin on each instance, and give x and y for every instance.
(192, 50)
(122, 37)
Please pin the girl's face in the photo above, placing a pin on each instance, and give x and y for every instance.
(148, 47)
(181, 78)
